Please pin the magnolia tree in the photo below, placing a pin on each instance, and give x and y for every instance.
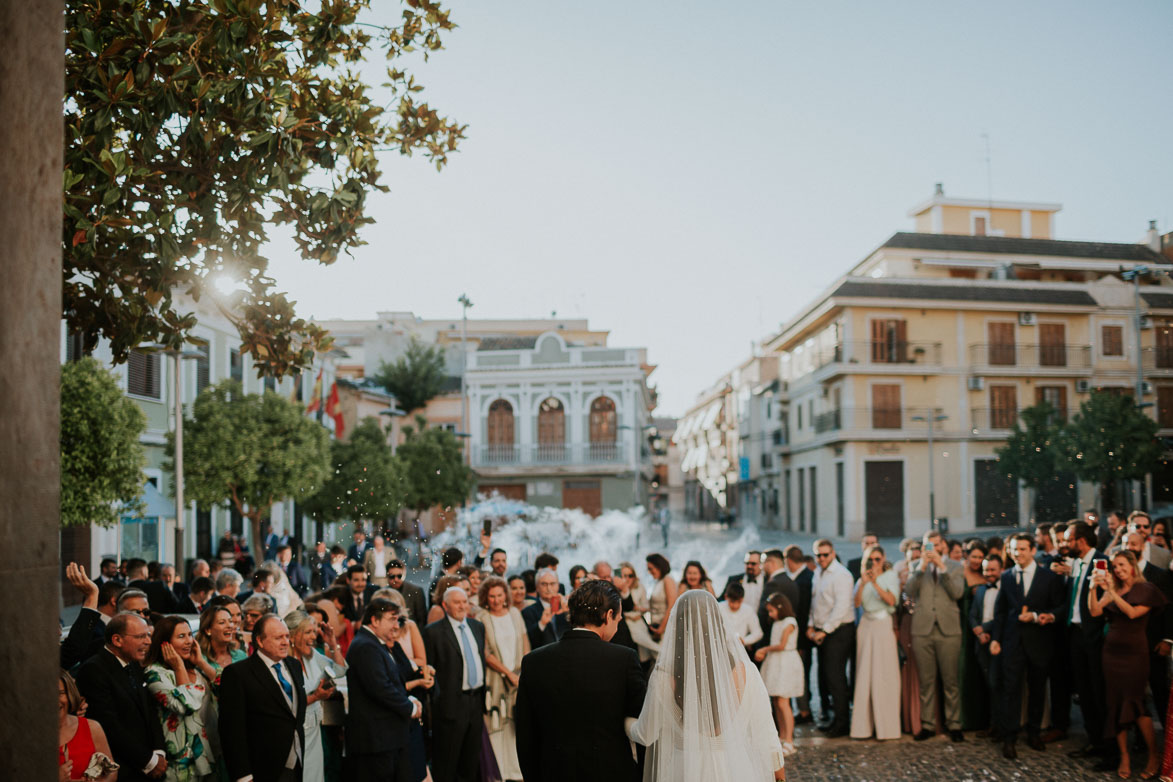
(193, 127)
(250, 451)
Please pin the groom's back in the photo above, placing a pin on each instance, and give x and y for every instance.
(573, 698)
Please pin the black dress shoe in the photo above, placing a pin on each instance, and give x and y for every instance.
(1008, 750)
(997, 736)
(925, 733)
(956, 736)
(1086, 751)
(1035, 742)
(803, 719)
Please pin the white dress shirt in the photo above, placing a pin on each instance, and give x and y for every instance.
(380, 563)
(1026, 576)
(743, 622)
(1081, 568)
(753, 591)
(832, 598)
(988, 600)
(476, 658)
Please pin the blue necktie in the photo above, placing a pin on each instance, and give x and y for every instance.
(285, 685)
(469, 661)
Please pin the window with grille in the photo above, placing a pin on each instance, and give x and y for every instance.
(74, 346)
(236, 365)
(551, 429)
(1165, 407)
(203, 366)
(1003, 406)
(1112, 340)
(603, 423)
(500, 431)
(142, 375)
(1001, 345)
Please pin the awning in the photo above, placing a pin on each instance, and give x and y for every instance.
(156, 505)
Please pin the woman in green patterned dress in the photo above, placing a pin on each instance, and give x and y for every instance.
(180, 689)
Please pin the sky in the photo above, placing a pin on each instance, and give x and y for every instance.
(689, 175)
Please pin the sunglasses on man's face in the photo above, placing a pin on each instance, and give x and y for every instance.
(394, 575)
(823, 555)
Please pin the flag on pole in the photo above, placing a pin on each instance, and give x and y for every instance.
(334, 410)
(316, 395)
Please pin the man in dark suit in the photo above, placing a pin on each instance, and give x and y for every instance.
(377, 722)
(293, 571)
(981, 626)
(751, 581)
(455, 645)
(262, 709)
(161, 599)
(314, 562)
(107, 571)
(356, 593)
(412, 595)
(112, 683)
(777, 580)
(1084, 636)
(1029, 600)
(547, 620)
(360, 546)
(605, 688)
(334, 567)
(868, 540)
(802, 576)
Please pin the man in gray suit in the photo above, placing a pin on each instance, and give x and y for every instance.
(936, 584)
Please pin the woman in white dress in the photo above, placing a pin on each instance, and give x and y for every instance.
(877, 663)
(506, 643)
(315, 667)
(706, 716)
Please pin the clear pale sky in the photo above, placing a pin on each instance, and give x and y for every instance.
(688, 175)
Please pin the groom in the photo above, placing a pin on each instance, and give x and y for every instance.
(575, 694)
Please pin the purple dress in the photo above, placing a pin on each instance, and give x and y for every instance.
(1126, 658)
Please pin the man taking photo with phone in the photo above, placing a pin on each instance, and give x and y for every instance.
(547, 619)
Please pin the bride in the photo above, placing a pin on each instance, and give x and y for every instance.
(706, 717)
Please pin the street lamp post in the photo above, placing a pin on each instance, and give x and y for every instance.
(464, 305)
(931, 417)
(178, 356)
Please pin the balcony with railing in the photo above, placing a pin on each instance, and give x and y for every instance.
(1158, 359)
(881, 353)
(1011, 357)
(552, 455)
(1000, 420)
(879, 420)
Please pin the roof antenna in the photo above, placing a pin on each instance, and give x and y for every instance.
(989, 174)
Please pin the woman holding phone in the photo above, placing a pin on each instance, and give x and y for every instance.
(877, 663)
(318, 672)
(1124, 599)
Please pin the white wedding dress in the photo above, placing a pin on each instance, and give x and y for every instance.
(706, 716)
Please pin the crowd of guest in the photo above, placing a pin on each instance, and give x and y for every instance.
(342, 669)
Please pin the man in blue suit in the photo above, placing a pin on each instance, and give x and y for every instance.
(377, 722)
(1029, 600)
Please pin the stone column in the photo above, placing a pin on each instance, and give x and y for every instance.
(31, 87)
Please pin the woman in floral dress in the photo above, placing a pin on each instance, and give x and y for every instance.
(176, 678)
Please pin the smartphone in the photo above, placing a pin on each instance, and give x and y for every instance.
(556, 603)
(487, 526)
(327, 682)
(1101, 564)
(930, 546)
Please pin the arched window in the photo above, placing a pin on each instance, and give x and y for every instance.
(500, 434)
(551, 431)
(603, 430)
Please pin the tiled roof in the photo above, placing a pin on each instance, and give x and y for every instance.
(1010, 293)
(508, 343)
(1108, 251)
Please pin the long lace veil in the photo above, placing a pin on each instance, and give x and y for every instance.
(707, 715)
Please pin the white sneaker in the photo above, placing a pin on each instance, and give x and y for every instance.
(788, 749)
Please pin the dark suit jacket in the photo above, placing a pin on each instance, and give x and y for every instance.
(329, 575)
(1091, 626)
(417, 606)
(855, 566)
(571, 703)
(87, 636)
(1160, 626)
(779, 582)
(380, 713)
(257, 726)
(298, 579)
(355, 553)
(443, 650)
(558, 626)
(160, 599)
(804, 581)
(125, 711)
(1038, 642)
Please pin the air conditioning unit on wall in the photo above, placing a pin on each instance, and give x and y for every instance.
(1146, 322)
(1083, 386)
(977, 384)
(1026, 319)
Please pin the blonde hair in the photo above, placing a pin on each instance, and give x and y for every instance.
(1137, 576)
(634, 573)
(867, 554)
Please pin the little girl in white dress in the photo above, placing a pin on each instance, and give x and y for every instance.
(782, 667)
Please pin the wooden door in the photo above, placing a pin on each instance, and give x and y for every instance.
(1003, 406)
(1165, 407)
(1164, 346)
(1001, 344)
(889, 341)
(886, 412)
(1052, 345)
(884, 498)
(587, 496)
